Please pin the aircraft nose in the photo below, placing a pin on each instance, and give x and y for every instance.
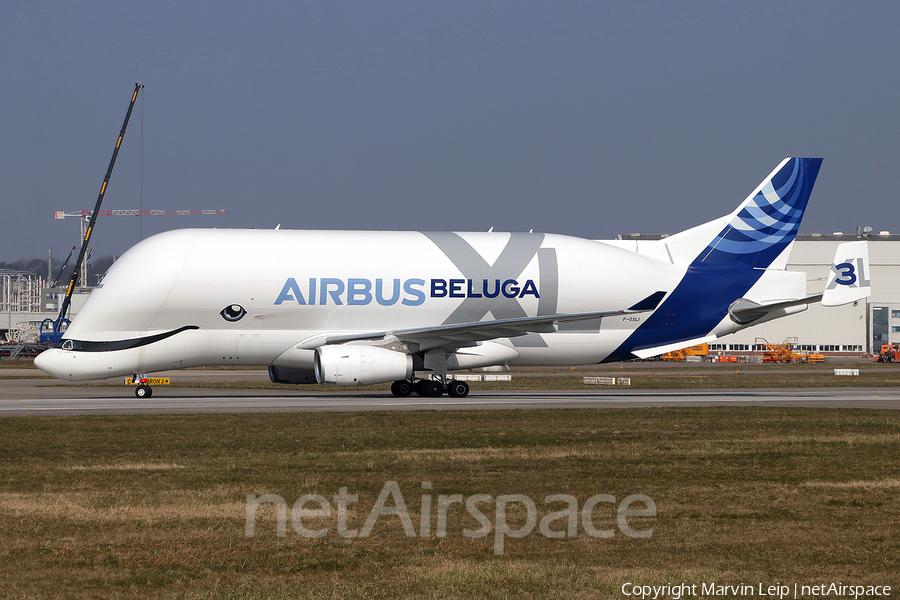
(51, 363)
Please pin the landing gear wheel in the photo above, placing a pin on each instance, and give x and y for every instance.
(434, 389)
(402, 388)
(143, 391)
(420, 387)
(458, 389)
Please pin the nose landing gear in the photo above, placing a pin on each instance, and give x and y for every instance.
(143, 390)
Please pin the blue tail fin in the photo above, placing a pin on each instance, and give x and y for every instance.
(763, 226)
(724, 258)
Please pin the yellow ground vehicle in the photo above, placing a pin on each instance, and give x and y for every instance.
(681, 355)
(888, 353)
(786, 352)
(779, 353)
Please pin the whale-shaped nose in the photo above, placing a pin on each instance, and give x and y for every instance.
(54, 363)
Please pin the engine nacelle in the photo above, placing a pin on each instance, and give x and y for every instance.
(360, 365)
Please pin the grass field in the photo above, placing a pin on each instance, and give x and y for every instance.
(155, 505)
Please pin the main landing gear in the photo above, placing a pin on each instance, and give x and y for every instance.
(430, 388)
(457, 389)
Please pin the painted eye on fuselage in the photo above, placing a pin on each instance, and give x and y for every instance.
(233, 312)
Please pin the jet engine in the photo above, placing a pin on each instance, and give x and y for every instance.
(361, 365)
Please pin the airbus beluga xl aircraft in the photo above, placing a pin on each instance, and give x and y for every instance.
(360, 307)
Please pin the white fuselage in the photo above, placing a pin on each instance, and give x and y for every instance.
(296, 287)
(348, 307)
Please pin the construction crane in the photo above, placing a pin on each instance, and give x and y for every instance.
(88, 220)
(63, 268)
(85, 216)
(80, 263)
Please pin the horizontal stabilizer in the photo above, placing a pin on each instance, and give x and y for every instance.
(849, 277)
(847, 282)
(745, 312)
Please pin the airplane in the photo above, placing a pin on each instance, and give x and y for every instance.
(360, 307)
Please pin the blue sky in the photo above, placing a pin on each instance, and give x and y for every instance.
(583, 118)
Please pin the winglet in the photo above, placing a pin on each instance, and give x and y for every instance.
(849, 277)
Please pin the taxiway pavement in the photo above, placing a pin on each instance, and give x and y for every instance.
(19, 397)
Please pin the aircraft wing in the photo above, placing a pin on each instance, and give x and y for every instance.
(462, 334)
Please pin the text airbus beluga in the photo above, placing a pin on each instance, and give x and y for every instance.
(358, 307)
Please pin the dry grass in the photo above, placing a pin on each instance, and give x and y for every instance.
(155, 505)
(19, 363)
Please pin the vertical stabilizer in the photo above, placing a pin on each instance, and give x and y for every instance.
(760, 229)
(763, 226)
(725, 258)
